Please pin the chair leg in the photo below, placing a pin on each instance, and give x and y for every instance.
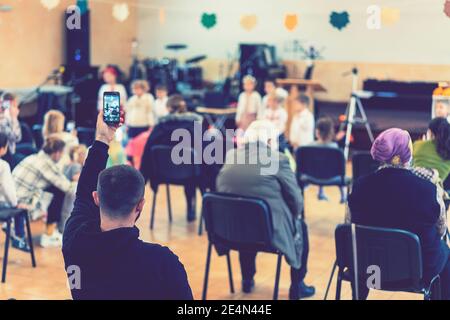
(200, 225)
(5, 256)
(169, 205)
(331, 279)
(339, 285)
(230, 273)
(277, 277)
(30, 240)
(205, 282)
(435, 292)
(152, 215)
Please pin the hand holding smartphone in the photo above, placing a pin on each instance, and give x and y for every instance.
(111, 108)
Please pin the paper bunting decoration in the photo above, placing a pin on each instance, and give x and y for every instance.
(389, 16)
(209, 20)
(121, 11)
(291, 22)
(50, 4)
(339, 20)
(447, 8)
(249, 22)
(162, 16)
(83, 5)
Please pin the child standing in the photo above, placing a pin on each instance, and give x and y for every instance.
(161, 102)
(139, 111)
(110, 77)
(325, 138)
(249, 106)
(302, 125)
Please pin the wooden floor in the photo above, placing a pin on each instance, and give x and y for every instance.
(48, 280)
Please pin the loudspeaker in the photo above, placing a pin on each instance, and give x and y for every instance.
(78, 41)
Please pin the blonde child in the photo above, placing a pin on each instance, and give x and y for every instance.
(302, 125)
(249, 106)
(161, 102)
(139, 110)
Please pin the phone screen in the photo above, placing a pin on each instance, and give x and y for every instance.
(6, 104)
(111, 107)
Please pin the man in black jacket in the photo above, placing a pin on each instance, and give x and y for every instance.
(101, 242)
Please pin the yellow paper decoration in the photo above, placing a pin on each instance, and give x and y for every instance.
(389, 16)
(249, 22)
(162, 16)
(291, 22)
(50, 4)
(121, 11)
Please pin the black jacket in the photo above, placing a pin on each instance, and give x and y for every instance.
(116, 264)
(397, 198)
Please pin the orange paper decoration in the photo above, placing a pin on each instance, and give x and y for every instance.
(291, 22)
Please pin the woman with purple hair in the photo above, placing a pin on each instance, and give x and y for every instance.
(401, 197)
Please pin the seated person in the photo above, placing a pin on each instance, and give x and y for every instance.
(325, 138)
(302, 125)
(178, 118)
(279, 188)
(396, 197)
(9, 124)
(249, 107)
(37, 174)
(434, 153)
(101, 238)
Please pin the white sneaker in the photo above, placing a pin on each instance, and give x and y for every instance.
(50, 241)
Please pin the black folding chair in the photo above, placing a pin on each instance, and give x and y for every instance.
(7, 215)
(165, 171)
(363, 164)
(86, 136)
(238, 223)
(395, 253)
(37, 135)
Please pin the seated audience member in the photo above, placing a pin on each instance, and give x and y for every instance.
(9, 124)
(397, 197)
(278, 186)
(325, 138)
(37, 174)
(139, 110)
(110, 75)
(54, 122)
(178, 118)
(302, 125)
(434, 153)
(8, 196)
(249, 107)
(101, 238)
(161, 102)
(270, 88)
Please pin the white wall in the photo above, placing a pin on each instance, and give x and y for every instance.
(421, 35)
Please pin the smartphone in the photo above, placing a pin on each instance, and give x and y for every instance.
(111, 108)
(70, 126)
(6, 104)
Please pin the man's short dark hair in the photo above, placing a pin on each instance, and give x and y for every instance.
(304, 99)
(120, 188)
(3, 140)
(325, 127)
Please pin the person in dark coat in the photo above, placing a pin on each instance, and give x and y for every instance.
(104, 257)
(397, 197)
(259, 170)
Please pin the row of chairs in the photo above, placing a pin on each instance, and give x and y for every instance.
(86, 136)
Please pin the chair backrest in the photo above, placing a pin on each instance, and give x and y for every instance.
(320, 162)
(363, 164)
(238, 222)
(37, 135)
(27, 134)
(166, 170)
(397, 253)
(86, 136)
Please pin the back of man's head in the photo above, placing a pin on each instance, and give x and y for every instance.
(120, 189)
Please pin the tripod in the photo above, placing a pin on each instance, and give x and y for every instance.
(355, 105)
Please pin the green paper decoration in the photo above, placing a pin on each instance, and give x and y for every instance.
(339, 20)
(83, 5)
(209, 20)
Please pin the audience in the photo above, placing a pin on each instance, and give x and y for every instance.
(398, 197)
(302, 125)
(102, 240)
(280, 190)
(54, 125)
(139, 111)
(178, 118)
(434, 153)
(249, 106)
(37, 174)
(161, 102)
(110, 75)
(325, 138)
(9, 123)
